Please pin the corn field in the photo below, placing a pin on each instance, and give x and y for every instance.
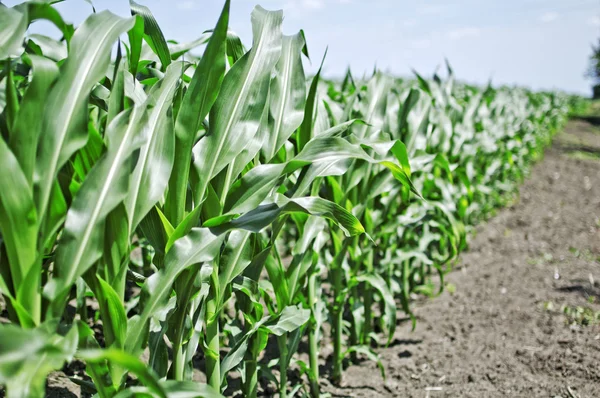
(163, 212)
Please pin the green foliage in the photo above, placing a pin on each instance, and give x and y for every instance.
(264, 204)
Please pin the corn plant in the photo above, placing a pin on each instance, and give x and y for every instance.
(264, 203)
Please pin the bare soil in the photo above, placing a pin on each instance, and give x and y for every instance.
(502, 331)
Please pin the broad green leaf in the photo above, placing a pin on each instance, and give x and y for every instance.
(237, 255)
(44, 10)
(290, 319)
(305, 133)
(152, 33)
(155, 161)
(18, 224)
(136, 35)
(104, 188)
(27, 356)
(379, 284)
(179, 49)
(50, 48)
(236, 114)
(199, 246)
(199, 98)
(65, 116)
(126, 361)
(264, 215)
(287, 95)
(374, 105)
(13, 25)
(98, 371)
(115, 323)
(28, 124)
(173, 389)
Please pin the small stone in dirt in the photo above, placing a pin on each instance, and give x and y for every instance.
(568, 352)
(471, 379)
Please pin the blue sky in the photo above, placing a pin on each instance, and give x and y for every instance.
(541, 44)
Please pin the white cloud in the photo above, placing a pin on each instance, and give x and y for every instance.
(312, 4)
(594, 21)
(409, 23)
(464, 32)
(299, 7)
(186, 5)
(432, 9)
(549, 16)
(420, 44)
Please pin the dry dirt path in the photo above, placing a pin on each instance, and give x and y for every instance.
(498, 335)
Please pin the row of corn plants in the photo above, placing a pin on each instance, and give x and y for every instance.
(162, 212)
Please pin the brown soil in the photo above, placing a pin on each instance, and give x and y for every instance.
(498, 335)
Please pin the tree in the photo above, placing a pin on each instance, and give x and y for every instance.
(594, 70)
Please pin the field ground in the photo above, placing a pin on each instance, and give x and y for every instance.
(503, 331)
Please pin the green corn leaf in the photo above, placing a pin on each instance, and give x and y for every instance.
(173, 389)
(13, 25)
(155, 161)
(374, 105)
(49, 48)
(104, 188)
(235, 47)
(116, 100)
(236, 257)
(237, 112)
(287, 95)
(136, 35)
(290, 319)
(44, 10)
(152, 33)
(180, 49)
(377, 282)
(65, 116)
(18, 224)
(12, 100)
(250, 152)
(28, 124)
(305, 133)
(126, 361)
(198, 246)
(197, 102)
(265, 214)
(99, 371)
(27, 356)
(115, 321)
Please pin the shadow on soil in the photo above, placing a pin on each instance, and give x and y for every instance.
(594, 120)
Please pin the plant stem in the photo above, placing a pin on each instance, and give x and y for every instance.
(213, 362)
(184, 286)
(368, 302)
(313, 339)
(337, 324)
(178, 362)
(251, 366)
(283, 364)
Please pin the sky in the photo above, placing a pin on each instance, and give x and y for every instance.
(541, 44)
